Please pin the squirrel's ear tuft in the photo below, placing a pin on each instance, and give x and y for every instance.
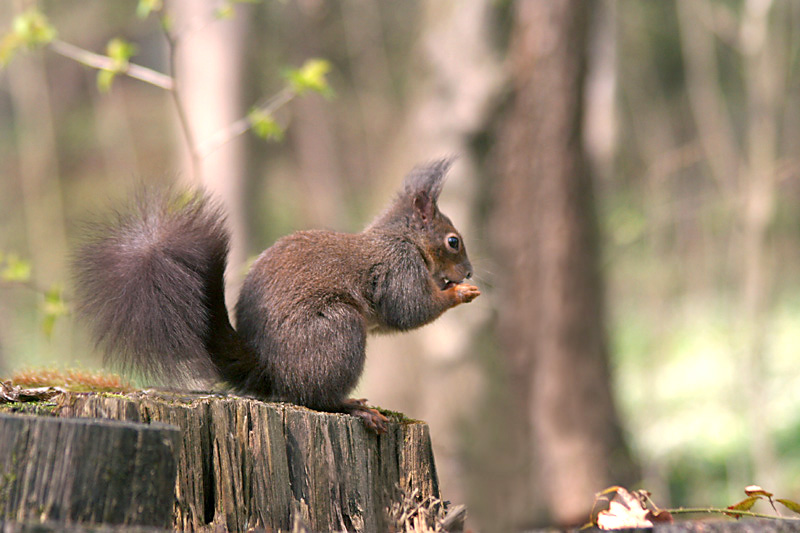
(427, 180)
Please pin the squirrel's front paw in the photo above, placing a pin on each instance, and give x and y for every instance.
(466, 292)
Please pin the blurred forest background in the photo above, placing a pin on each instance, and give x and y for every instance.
(627, 187)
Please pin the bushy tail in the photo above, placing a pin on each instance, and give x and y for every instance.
(150, 284)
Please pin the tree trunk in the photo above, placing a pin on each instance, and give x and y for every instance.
(551, 320)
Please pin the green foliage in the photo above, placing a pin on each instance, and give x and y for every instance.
(53, 307)
(145, 7)
(227, 9)
(13, 269)
(310, 77)
(33, 28)
(264, 125)
(167, 22)
(120, 51)
(744, 505)
(30, 29)
(755, 493)
(104, 80)
(789, 504)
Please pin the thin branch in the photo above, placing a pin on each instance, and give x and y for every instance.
(163, 81)
(28, 285)
(241, 126)
(197, 152)
(102, 62)
(729, 512)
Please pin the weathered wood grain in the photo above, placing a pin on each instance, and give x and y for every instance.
(246, 463)
(94, 471)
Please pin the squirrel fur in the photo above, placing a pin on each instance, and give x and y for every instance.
(150, 282)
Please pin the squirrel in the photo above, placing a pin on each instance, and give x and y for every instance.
(150, 284)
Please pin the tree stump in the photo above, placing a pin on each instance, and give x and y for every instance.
(94, 471)
(245, 463)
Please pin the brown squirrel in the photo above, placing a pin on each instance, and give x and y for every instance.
(150, 283)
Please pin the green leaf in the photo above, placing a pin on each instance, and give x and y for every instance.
(264, 125)
(789, 504)
(167, 22)
(48, 325)
(310, 77)
(54, 301)
(53, 307)
(744, 505)
(33, 28)
(120, 51)
(225, 11)
(15, 269)
(104, 80)
(145, 7)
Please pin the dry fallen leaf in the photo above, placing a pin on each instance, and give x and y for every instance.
(623, 509)
(620, 516)
(618, 508)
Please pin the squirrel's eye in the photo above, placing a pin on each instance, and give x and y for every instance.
(453, 242)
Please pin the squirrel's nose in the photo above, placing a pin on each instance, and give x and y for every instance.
(469, 274)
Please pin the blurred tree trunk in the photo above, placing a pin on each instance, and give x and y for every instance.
(209, 77)
(551, 317)
(313, 135)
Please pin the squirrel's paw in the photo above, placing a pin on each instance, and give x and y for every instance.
(466, 292)
(373, 418)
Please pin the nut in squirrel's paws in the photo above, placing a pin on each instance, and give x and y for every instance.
(466, 292)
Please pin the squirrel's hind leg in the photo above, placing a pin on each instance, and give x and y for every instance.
(322, 357)
(334, 347)
(373, 418)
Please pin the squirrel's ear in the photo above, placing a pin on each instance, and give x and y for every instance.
(423, 186)
(427, 180)
(424, 206)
